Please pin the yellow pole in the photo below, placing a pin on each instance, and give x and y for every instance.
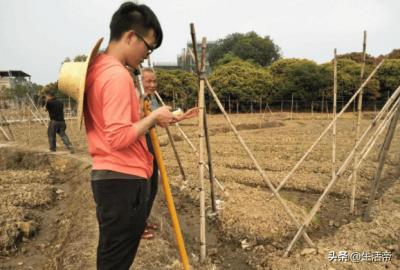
(167, 191)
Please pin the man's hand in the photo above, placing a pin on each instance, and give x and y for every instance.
(193, 112)
(141, 101)
(164, 117)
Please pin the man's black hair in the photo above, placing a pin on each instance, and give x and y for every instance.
(139, 18)
(49, 93)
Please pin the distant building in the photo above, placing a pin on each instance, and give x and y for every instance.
(185, 61)
(13, 79)
(166, 65)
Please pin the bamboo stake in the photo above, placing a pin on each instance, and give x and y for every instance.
(353, 188)
(322, 105)
(385, 150)
(260, 105)
(207, 136)
(201, 152)
(258, 167)
(291, 110)
(210, 164)
(312, 109)
(29, 125)
(194, 149)
(340, 171)
(326, 130)
(334, 115)
(237, 107)
(229, 104)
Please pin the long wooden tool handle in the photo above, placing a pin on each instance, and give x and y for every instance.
(167, 191)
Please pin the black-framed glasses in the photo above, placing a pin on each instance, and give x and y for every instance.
(150, 49)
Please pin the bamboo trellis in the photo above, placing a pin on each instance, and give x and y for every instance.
(327, 128)
(340, 171)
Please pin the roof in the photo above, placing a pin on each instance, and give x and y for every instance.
(13, 73)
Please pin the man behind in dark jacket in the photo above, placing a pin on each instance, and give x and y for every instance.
(57, 123)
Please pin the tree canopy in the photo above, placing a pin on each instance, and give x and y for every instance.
(261, 50)
(241, 81)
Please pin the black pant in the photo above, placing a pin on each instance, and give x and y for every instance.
(57, 127)
(121, 213)
(152, 183)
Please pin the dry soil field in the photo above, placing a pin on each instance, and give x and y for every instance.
(48, 214)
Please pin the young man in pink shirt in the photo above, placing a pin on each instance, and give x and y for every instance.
(115, 127)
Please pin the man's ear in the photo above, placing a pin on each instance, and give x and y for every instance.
(130, 36)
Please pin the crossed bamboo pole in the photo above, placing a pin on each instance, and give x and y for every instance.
(340, 172)
(370, 144)
(327, 128)
(382, 159)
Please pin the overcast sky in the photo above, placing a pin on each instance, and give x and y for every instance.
(36, 36)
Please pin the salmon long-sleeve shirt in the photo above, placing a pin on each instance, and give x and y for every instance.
(111, 107)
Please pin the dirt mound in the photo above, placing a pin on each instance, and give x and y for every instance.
(266, 220)
(25, 177)
(225, 129)
(11, 216)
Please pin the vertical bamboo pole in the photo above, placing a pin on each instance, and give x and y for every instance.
(210, 165)
(291, 110)
(353, 188)
(334, 115)
(237, 107)
(29, 125)
(312, 109)
(322, 105)
(382, 159)
(229, 104)
(201, 159)
(260, 105)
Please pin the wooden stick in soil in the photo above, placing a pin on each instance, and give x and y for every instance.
(291, 110)
(210, 164)
(353, 188)
(385, 147)
(205, 125)
(334, 115)
(326, 130)
(29, 126)
(201, 151)
(340, 172)
(194, 148)
(258, 167)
